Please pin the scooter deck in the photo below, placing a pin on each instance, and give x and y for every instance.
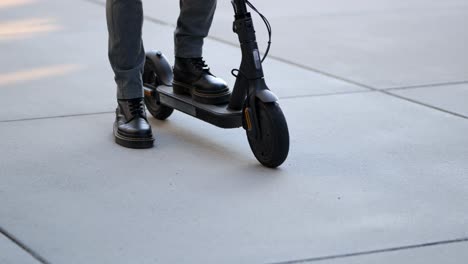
(218, 115)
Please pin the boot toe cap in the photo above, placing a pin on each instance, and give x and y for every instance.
(211, 85)
(138, 127)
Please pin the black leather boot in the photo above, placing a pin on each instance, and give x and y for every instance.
(192, 76)
(131, 128)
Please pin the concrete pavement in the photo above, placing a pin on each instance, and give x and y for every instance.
(375, 96)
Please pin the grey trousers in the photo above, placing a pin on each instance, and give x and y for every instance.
(126, 51)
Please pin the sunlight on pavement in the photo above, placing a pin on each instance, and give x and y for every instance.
(38, 73)
(26, 28)
(11, 3)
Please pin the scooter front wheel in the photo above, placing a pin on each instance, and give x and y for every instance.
(271, 145)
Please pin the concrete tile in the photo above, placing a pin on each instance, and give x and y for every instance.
(450, 254)
(60, 72)
(65, 71)
(283, 79)
(377, 171)
(378, 43)
(10, 253)
(453, 98)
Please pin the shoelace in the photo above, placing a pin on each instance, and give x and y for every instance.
(136, 108)
(200, 64)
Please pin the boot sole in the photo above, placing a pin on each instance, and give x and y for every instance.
(135, 143)
(182, 88)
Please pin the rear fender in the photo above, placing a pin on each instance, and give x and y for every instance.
(162, 67)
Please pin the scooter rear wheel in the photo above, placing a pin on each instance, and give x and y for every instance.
(156, 109)
(272, 148)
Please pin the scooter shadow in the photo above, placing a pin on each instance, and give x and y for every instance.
(171, 134)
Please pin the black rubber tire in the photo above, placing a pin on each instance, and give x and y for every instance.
(273, 148)
(157, 110)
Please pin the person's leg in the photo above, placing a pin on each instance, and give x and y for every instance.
(127, 58)
(191, 74)
(193, 25)
(126, 52)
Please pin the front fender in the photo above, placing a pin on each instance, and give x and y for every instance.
(262, 92)
(266, 96)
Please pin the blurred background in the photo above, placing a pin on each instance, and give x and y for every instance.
(373, 44)
(375, 94)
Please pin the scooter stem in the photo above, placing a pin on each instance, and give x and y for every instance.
(251, 67)
(240, 7)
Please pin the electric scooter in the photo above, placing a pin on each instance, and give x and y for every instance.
(252, 105)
